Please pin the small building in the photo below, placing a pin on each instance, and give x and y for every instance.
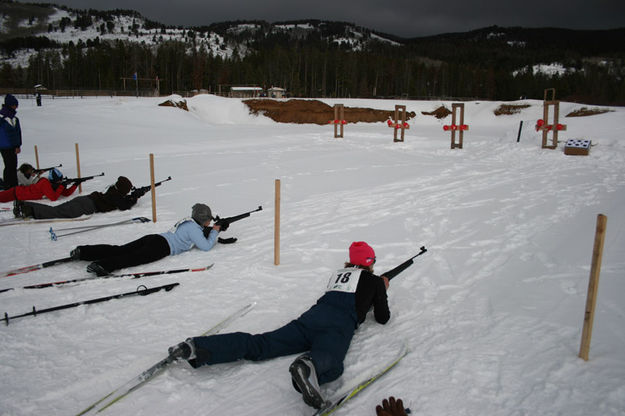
(245, 92)
(276, 92)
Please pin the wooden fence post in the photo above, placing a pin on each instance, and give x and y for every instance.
(593, 286)
(36, 157)
(153, 189)
(399, 122)
(459, 125)
(545, 125)
(276, 231)
(339, 119)
(78, 168)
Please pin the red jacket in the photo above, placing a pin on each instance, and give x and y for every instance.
(36, 191)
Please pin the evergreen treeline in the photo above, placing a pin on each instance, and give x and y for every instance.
(483, 64)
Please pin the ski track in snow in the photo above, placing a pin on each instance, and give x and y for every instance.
(492, 312)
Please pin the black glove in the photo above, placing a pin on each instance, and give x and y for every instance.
(138, 193)
(223, 225)
(391, 407)
(230, 240)
(206, 231)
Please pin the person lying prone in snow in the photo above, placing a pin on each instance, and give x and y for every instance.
(115, 197)
(50, 187)
(186, 234)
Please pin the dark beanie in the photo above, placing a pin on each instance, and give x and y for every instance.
(10, 100)
(123, 185)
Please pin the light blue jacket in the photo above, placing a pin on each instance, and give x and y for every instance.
(187, 234)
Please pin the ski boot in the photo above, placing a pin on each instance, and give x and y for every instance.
(304, 378)
(184, 350)
(75, 253)
(97, 269)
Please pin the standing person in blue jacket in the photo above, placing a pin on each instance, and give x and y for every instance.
(10, 140)
(186, 234)
(323, 333)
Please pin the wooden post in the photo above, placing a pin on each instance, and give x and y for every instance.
(152, 187)
(339, 117)
(78, 168)
(276, 230)
(593, 286)
(36, 157)
(400, 122)
(546, 126)
(457, 126)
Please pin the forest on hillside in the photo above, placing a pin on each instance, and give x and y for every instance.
(472, 65)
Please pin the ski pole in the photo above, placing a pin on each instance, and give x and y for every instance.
(141, 291)
(133, 275)
(82, 229)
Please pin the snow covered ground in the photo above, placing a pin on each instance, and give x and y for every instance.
(492, 313)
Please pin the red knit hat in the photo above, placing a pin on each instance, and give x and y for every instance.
(361, 254)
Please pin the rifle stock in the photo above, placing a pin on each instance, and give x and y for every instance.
(397, 270)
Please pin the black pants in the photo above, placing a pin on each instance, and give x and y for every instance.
(146, 249)
(10, 168)
(81, 205)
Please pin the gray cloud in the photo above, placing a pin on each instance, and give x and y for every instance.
(407, 18)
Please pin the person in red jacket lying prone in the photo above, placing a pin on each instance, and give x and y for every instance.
(51, 188)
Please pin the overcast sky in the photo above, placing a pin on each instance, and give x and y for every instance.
(406, 18)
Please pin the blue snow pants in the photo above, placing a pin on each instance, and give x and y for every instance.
(324, 330)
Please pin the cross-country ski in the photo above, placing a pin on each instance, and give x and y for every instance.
(145, 376)
(27, 221)
(361, 383)
(135, 275)
(140, 291)
(34, 267)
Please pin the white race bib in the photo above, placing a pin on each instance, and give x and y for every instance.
(344, 280)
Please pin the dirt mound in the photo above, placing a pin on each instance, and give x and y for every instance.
(583, 112)
(315, 112)
(440, 112)
(179, 104)
(509, 109)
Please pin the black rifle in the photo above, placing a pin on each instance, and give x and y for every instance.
(140, 191)
(78, 181)
(40, 171)
(224, 223)
(397, 270)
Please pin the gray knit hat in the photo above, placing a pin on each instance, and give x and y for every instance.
(201, 213)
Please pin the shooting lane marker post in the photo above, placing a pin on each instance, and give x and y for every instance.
(461, 127)
(593, 286)
(276, 228)
(544, 123)
(399, 122)
(339, 120)
(78, 168)
(36, 157)
(153, 189)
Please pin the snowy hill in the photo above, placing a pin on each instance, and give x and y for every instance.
(63, 25)
(492, 313)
